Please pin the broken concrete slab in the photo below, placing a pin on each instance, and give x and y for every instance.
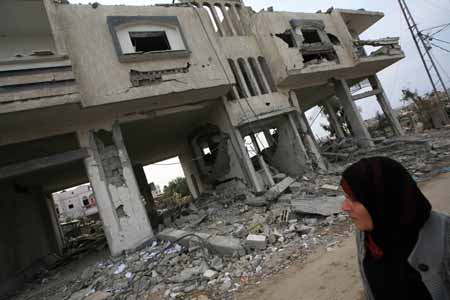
(295, 187)
(329, 187)
(257, 242)
(222, 245)
(324, 206)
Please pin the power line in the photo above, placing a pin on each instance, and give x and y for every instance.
(435, 27)
(442, 41)
(442, 68)
(443, 49)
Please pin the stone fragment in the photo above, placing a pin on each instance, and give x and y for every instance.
(100, 295)
(257, 242)
(324, 206)
(296, 187)
(329, 187)
(279, 177)
(210, 274)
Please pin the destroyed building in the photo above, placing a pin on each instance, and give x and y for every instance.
(92, 93)
(75, 203)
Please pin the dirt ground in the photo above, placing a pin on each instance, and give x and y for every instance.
(333, 275)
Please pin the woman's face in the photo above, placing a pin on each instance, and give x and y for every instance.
(358, 213)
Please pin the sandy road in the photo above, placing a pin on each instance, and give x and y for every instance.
(334, 275)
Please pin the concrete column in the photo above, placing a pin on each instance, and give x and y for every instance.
(386, 106)
(269, 137)
(297, 136)
(59, 236)
(248, 162)
(228, 20)
(252, 78)
(263, 76)
(217, 20)
(239, 25)
(307, 133)
(255, 143)
(119, 200)
(146, 192)
(353, 116)
(266, 170)
(334, 121)
(242, 82)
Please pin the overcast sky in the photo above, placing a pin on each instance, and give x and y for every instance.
(408, 73)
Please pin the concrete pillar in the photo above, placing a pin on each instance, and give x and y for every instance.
(266, 170)
(307, 133)
(119, 200)
(146, 192)
(297, 136)
(334, 121)
(269, 137)
(219, 24)
(255, 143)
(248, 162)
(59, 236)
(252, 78)
(239, 25)
(228, 20)
(353, 116)
(386, 106)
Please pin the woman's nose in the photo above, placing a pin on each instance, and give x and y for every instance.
(346, 206)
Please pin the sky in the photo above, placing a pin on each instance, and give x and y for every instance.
(408, 73)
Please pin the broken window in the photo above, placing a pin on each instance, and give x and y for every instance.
(311, 36)
(70, 206)
(334, 39)
(206, 151)
(85, 201)
(247, 78)
(149, 41)
(287, 37)
(139, 38)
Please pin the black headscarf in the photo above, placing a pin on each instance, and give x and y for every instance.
(398, 210)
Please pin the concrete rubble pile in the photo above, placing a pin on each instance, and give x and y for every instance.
(219, 244)
(419, 153)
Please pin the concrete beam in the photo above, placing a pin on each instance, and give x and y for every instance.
(37, 164)
(366, 94)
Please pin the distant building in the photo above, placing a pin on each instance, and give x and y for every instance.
(75, 203)
(156, 189)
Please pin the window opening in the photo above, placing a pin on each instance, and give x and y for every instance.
(85, 201)
(247, 79)
(211, 16)
(287, 37)
(149, 41)
(239, 86)
(206, 151)
(70, 206)
(311, 36)
(258, 75)
(334, 39)
(267, 74)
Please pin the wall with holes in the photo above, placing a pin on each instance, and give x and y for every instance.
(104, 79)
(285, 59)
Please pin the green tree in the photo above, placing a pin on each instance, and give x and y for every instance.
(177, 186)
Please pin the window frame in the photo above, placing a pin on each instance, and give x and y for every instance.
(116, 23)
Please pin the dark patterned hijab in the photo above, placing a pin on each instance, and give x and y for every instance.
(397, 206)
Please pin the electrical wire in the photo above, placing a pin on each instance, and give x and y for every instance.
(442, 68)
(443, 49)
(439, 40)
(435, 27)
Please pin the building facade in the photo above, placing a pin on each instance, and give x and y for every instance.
(76, 203)
(94, 93)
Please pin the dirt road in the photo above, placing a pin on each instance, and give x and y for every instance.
(334, 275)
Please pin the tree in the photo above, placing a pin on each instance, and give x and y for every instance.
(177, 186)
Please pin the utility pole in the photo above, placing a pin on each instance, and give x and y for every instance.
(424, 51)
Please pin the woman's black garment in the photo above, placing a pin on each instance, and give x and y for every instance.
(398, 210)
(392, 278)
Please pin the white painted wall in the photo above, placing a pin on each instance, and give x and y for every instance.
(173, 36)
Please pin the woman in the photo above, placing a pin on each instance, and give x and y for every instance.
(403, 246)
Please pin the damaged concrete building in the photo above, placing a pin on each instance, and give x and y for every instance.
(92, 93)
